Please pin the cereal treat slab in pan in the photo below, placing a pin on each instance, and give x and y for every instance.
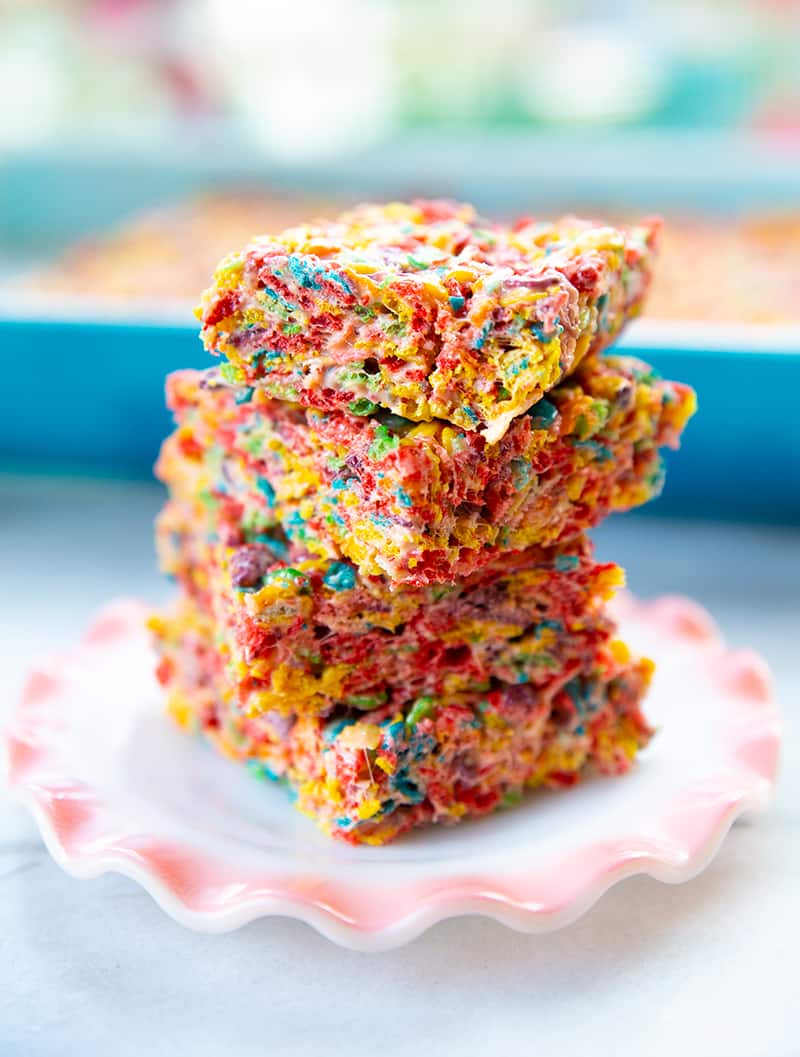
(367, 777)
(425, 310)
(425, 502)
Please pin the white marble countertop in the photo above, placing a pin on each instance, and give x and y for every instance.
(707, 968)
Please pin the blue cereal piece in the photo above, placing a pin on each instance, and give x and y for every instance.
(266, 490)
(566, 563)
(341, 576)
(543, 414)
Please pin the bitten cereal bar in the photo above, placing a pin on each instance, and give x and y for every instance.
(425, 310)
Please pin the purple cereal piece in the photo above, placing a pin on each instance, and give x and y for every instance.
(249, 564)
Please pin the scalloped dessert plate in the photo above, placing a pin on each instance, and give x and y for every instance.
(114, 787)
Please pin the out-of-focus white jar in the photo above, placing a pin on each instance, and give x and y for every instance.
(306, 79)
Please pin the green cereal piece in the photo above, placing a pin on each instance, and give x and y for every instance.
(362, 406)
(208, 499)
(383, 443)
(367, 701)
(230, 268)
(582, 427)
(601, 409)
(231, 374)
(421, 709)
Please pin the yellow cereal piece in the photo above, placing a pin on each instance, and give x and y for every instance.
(308, 793)
(157, 624)
(478, 630)
(424, 429)
(451, 439)
(367, 808)
(181, 710)
(627, 739)
(619, 651)
(228, 748)
(377, 840)
(230, 269)
(494, 722)
(556, 758)
(581, 346)
(240, 669)
(360, 736)
(360, 267)
(610, 580)
(647, 667)
(291, 687)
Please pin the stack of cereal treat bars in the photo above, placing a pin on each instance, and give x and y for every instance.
(378, 508)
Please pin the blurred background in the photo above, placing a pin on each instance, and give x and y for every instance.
(140, 140)
(514, 104)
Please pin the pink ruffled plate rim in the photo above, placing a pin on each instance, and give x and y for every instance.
(88, 835)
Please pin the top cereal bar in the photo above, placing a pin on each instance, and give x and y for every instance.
(424, 309)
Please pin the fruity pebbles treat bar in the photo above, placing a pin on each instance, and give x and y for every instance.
(425, 310)
(425, 502)
(367, 776)
(378, 510)
(165, 255)
(299, 634)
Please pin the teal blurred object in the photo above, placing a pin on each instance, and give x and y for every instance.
(740, 455)
(52, 197)
(92, 402)
(86, 396)
(91, 394)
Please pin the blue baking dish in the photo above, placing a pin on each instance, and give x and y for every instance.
(84, 383)
(740, 455)
(86, 395)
